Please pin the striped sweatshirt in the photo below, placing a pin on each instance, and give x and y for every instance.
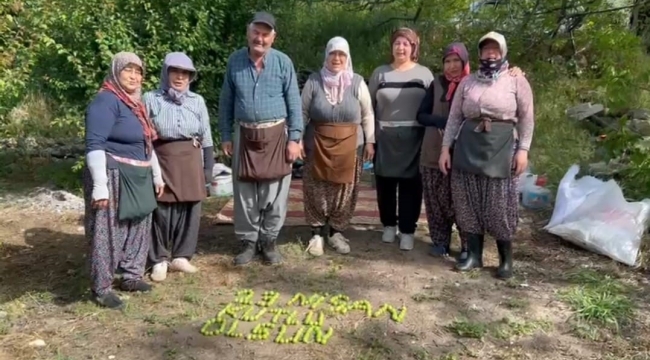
(396, 97)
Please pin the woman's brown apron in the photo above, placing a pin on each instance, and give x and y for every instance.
(335, 155)
(182, 170)
(262, 153)
(432, 142)
(484, 147)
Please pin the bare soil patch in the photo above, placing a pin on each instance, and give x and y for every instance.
(564, 303)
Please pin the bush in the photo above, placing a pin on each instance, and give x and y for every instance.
(56, 54)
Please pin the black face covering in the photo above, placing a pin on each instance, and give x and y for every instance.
(489, 67)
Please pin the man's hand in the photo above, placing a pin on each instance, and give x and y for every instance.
(226, 147)
(368, 152)
(294, 151)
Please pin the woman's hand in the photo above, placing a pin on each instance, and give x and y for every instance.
(368, 152)
(207, 175)
(160, 190)
(99, 204)
(516, 71)
(521, 162)
(445, 161)
(302, 150)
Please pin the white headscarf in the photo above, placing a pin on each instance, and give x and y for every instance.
(335, 84)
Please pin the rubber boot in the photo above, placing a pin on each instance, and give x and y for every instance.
(474, 253)
(464, 252)
(271, 254)
(505, 259)
(248, 253)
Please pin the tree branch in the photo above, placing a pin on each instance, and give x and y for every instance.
(585, 13)
(529, 15)
(363, 4)
(413, 18)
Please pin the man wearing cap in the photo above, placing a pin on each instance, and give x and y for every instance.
(260, 122)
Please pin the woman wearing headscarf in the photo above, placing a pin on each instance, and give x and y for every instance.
(185, 151)
(490, 118)
(433, 114)
(397, 90)
(121, 173)
(338, 120)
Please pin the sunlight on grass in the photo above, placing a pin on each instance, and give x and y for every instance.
(467, 329)
(424, 297)
(598, 300)
(293, 250)
(504, 329)
(509, 328)
(449, 357)
(517, 303)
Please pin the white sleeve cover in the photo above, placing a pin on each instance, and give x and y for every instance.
(96, 162)
(155, 167)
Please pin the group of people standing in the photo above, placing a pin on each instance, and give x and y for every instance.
(150, 157)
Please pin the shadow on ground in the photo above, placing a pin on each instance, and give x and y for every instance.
(50, 262)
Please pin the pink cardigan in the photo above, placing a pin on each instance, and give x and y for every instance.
(507, 98)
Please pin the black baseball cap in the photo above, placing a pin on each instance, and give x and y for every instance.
(265, 18)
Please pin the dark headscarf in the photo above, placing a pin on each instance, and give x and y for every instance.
(457, 48)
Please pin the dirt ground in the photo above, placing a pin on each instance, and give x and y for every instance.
(564, 303)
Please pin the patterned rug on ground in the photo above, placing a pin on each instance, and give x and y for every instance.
(366, 212)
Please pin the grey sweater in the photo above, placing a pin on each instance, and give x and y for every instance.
(396, 97)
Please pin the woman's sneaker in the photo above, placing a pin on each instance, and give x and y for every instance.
(390, 232)
(406, 242)
(183, 265)
(439, 250)
(339, 243)
(315, 247)
(159, 272)
(110, 300)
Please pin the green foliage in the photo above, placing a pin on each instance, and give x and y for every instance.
(55, 54)
(598, 300)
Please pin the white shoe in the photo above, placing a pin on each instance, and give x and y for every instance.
(183, 265)
(389, 234)
(159, 272)
(315, 247)
(339, 243)
(406, 241)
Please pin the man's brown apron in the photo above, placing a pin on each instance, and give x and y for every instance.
(182, 170)
(335, 156)
(262, 153)
(484, 147)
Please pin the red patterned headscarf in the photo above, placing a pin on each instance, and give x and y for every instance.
(456, 48)
(132, 100)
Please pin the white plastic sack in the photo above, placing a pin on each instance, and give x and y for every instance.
(220, 169)
(221, 184)
(594, 214)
